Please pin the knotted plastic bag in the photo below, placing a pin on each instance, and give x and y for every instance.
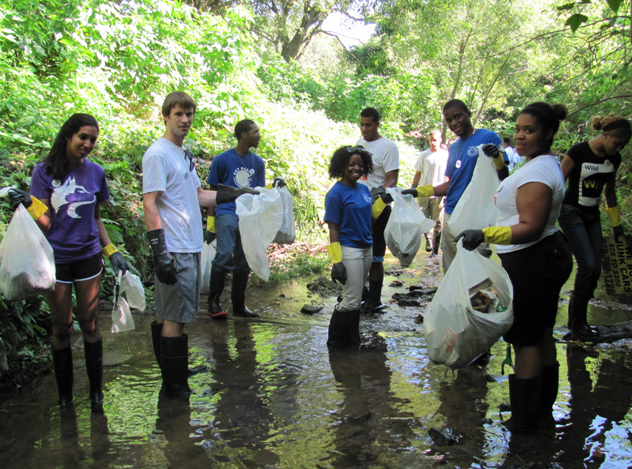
(132, 286)
(405, 226)
(27, 262)
(260, 218)
(476, 208)
(455, 332)
(286, 234)
(122, 319)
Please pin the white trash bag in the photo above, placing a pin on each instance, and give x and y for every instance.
(260, 218)
(208, 254)
(27, 262)
(405, 226)
(134, 291)
(287, 234)
(455, 332)
(476, 209)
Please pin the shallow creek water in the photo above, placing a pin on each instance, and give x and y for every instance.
(274, 396)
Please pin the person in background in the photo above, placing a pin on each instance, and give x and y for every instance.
(239, 168)
(590, 168)
(65, 199)
(385, 157)
(172, 196)
(514, 158)
(461, 163)
(537, 259)
(430, 170)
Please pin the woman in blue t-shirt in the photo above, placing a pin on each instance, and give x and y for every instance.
(65, 197)
(348, 214)
(590, 168)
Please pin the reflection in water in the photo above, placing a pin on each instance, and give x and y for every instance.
(600, 397)
(369, 431)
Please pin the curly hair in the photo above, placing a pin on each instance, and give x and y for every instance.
(340, 160)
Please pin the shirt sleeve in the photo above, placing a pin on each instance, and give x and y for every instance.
(261, 174)
(213, 175)
(391, 158)
(449, 169)
(104, 193)
(333, 207)
(419, 164)
(39, 186)
(154, 173)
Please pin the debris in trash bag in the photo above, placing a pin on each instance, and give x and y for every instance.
(484, 298)
(444, 437)
(484, 285)
(25, 285)
(311, 309)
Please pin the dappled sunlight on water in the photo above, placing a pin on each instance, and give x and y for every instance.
(273, 395)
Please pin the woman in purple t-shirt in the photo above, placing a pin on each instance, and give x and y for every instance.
(65, 197)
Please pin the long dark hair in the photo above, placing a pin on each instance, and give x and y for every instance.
(56, 162)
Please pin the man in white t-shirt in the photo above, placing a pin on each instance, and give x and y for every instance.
(385, 173)
(514, 157)
(172, 196)
(430, 167)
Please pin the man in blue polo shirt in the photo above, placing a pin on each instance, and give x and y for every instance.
(461, 163)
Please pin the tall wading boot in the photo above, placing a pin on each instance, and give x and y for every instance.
(174, 358)
(62, 362)
(577, 318)
(375, 295)
(550, 383)
(238, 296)
(340, 325)
(524, 395)
(94, 367)
(435, 246)
(216, 287)
(353, 333)
(156, 335)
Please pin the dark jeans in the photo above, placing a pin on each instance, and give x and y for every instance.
(583, 232)
(230, 253)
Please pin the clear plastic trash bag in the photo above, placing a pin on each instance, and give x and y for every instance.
(206, 261)
(455, 332)
(122, 319)
(287, 234)
(27, 262)
(132, 286)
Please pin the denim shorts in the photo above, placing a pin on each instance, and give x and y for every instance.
(537, 274)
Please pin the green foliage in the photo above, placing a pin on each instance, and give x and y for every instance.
(292, 265)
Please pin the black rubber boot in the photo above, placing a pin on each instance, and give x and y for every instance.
(174, 358)
(577, 318)
(375, 295)
(216, 287)
(94, 367)
(62, 362)
(524, 395)
(340, 329)
(550, 383)
(353, 333)
(156, 334)
(429, 245)
(435, 247)
(238, 296)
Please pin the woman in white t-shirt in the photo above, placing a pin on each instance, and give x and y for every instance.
(536, 257)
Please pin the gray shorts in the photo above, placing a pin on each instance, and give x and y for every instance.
(179, 302)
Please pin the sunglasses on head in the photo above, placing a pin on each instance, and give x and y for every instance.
(357, 149)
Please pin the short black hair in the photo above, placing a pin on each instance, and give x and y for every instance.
(243, 126)
(371, 112)
(456, 103)
(507, 140)
(340, 160)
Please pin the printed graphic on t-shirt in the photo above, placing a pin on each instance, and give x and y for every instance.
(243, 176)
(592, 178)
(71, 194)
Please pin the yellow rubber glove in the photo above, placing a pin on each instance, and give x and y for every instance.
(210, 225)
(425, 191)
(36, 209)
(109, 250)
(377, 208)
(614, 216)
(497, 235)
(335, 252)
